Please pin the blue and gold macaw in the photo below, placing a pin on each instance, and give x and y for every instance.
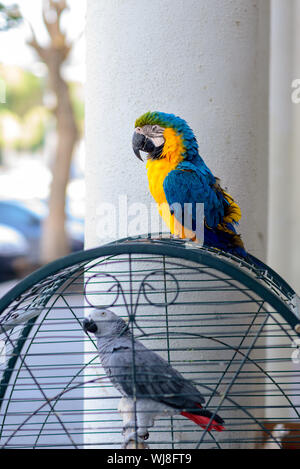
(178, 175)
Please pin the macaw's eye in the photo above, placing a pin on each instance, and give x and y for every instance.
(154, 128)
(102, 313)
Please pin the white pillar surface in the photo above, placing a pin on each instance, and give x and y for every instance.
(284, 191)
(203, 60)
(284, 221)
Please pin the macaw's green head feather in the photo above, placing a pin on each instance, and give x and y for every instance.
(158, 121)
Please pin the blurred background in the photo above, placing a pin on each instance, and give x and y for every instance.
(42, 155)
(249, 62)
(41, 133)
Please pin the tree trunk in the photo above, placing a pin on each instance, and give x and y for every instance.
(55, 242)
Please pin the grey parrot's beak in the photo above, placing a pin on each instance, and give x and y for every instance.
(89, 326)
(141, 143)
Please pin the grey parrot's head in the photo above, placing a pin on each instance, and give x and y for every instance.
(104, 323)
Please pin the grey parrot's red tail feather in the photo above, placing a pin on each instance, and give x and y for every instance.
(203, 417)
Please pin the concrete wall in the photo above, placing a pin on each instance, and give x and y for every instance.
(284, 195)
(204, 60)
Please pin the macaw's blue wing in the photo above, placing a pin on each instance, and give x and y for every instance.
(188, 187)
(221, 212)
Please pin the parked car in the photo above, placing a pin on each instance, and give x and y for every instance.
(14, 251)
(27, 218)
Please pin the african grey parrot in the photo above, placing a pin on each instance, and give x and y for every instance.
(159, 388)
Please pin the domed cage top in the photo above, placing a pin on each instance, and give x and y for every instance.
(228, 327)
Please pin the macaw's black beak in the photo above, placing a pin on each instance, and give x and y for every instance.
(141, 143)
(89, 326)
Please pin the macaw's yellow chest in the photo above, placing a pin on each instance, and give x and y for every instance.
(157, 170)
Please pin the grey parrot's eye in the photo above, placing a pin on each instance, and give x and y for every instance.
(102, 313)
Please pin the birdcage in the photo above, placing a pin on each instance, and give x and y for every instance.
(229, 327)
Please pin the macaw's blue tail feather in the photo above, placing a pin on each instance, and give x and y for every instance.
(226, 241)
(229, 242)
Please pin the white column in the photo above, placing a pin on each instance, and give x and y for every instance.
(284, 194)
(284, 191)
(200, 59)
(204, 60)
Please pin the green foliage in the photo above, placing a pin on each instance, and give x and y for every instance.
(24, 119)
(34, 127)
(24, 90)
(27, 133)
(10, 16)
(10, 127)
(76, 93)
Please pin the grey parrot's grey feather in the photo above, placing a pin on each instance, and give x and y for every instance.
(130, 365)
(149, 384)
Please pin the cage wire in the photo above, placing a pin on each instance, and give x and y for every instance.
(230, 328)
